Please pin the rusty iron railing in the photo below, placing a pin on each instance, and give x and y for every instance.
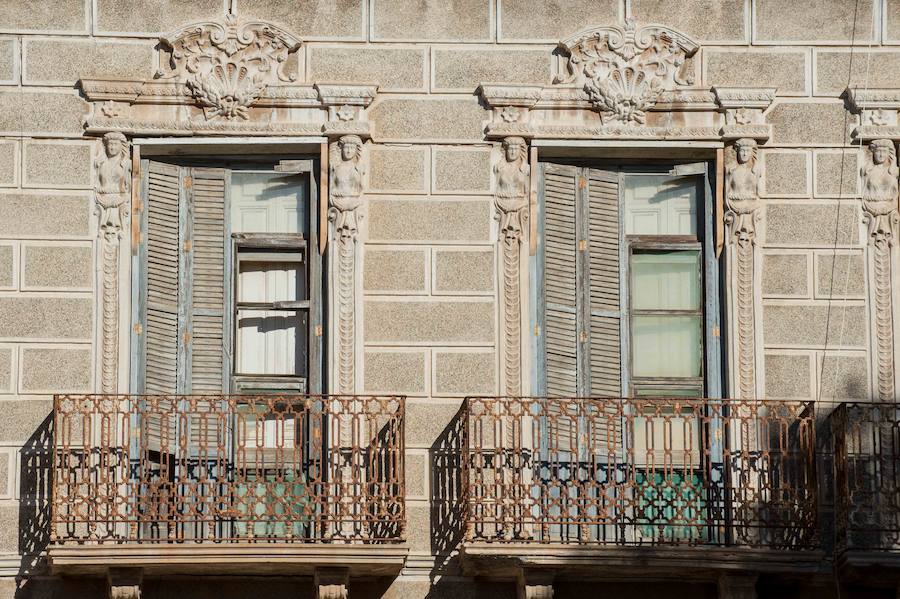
(640, 472)
(266, 468)
(867, 476)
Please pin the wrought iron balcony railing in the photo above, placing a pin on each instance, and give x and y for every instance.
(641, 472)
(265, 468)
(867, 476)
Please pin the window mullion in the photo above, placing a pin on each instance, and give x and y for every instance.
(582, 285)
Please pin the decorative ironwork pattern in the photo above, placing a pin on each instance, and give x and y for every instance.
(867, 475)
(641, 472)
(273, 468)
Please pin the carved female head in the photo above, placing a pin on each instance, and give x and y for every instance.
(115, 144)
(745, 151)
(514, 149)
(351, 147)
(883, 151)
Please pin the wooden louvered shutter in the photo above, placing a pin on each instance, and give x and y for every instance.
(205, 338)
(560, 288)
(161, 272)
(602, 289)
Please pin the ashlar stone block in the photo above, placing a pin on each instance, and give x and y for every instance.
(398, 169)
(418, 120)
(6, 464)
(6, 358)
(7, 266)
(811, 325)
(9, 163)
(57, 267)
(155, 17)
(44, 215)
(465, 373)
(702, 20)
(388, 371)
(786, 174)
(784, 70)
(9, 535)
(802, 123)
(844, 376)
(464, 69)
(395, 270)
(9, 60)
(64, 16)
(42, 317)
(450, 20)
(27, 112)
(892, 21)
(837, 173)
(540, 20)
(335, 19)
(804, 21)
(64, 61)
(787, 376)
(416, 475)
(57, 165)
(785, 275)
(428, 420)
(394, 69)
(22, 417)
(430, 220)
(840, 274)
(56, 370)
(812, 224)
(461, 170)
(865, 69)
(452, 322)
(464, 271)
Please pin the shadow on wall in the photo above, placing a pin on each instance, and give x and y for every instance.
(448, 506)
(35, 489)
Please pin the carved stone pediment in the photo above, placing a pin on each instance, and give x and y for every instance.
(233, 76)
(227, 64)
(622, 70)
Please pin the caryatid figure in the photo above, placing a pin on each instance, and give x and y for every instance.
(742, 183)
(880, 190)
(113, 183)
(347, 175)
(511, 196)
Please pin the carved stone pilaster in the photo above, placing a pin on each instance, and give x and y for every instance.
(880, 195)
(331, 583)
(535, 585)
(124, 583)
(111, 195)
(347, 179)
(733, 586)
(511, 202)
(742, 182)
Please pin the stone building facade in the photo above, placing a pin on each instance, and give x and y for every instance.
(430, 141)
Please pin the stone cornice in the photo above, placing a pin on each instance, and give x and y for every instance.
(878, 111)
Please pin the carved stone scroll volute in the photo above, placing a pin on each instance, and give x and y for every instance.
(880, 195)
(111, 195)
(512, 176)
(742, 183)
(347, 179)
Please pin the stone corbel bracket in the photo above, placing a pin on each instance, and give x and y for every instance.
(744, 109)
(878, 110)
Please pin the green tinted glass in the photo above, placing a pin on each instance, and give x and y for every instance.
(665, 280)
(666, 346)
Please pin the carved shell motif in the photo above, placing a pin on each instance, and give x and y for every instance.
(623, 69)
(227, 65)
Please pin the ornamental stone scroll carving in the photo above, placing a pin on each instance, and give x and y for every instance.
(347, 180)
(512, 175)
(111, 196)
(624, 69)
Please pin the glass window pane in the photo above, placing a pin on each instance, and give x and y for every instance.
(666, 346)
(271, 342)
(267, 202)
(271, 282)
(665, 280)
(660, 205)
